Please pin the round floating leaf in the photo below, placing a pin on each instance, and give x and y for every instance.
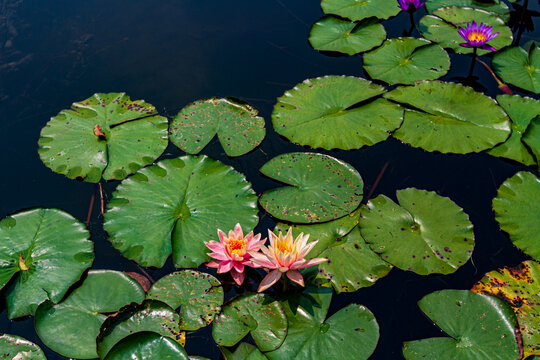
(517, 206)
(449, 118)
(334, 34)
(182, 201)
(411, 236)
(321, 188)
(145, 346)
(351, 333)
(71, 327)
(13, 347)
(442, 27)
(105, 135)
(532, 138)
(335, 103)
(358, 10)
(481, 327)
(519, 287)
(406, 61)
(498, 8)
(198, 295)
(521, 111)
(519, 66)
(49, 249)
(152, 315)
(236, 124)
(244, 351)
(256, 314)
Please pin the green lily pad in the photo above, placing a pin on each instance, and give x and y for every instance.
(334, 34)
(244, 351)
(406, 61)
(519, 66)
(498, 8)
(256, 314)
(442, 27)
(71, 327)
(449, 118)
(522, 110)
(152, 316)
(236, 124)
(520, 288)
(145, 346)
(14, 347)
(322, 188)
(198, 295)
(479, 326)
(351, 333)
(334, 103)
(532, 138)
(358, 10)
(133, 136)
(49, 250)
(176, 205)
(516, 207)
(413, 237)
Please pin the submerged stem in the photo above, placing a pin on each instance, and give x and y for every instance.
(472, 63)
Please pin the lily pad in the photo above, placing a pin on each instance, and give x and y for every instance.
(479, 326)
(351, 333)
(449, 118)
(413, 237)
(105, 135)
(519, 66)
(520, 288)
(522, 110)
(48, 250)
(496, 7)
(71, 327)
(406, 61)
(532, 138)
(152, 316)
(176, 205)
(198, 296)
(358, 10)
(442, 27)
(334, 103)
(516, 207)
(147, 345)
(13, 347)
(244, 351)
(334, 34)
(256, 314)
(322, 188)
(236, 124)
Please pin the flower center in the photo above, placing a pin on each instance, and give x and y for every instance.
(476, 36)
(237, 246)
(285, 247)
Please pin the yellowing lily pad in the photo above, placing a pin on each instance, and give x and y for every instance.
(14, 347)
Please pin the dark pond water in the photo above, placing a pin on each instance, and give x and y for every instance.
(171, 53)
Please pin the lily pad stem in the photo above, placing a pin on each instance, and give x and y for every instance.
(472, 63)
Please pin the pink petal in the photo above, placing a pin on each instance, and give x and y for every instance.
(212, 264)
(261, 260)
(269, 280)
(308, 263)
(238, 266)
(296, 277)
(238, 231)
(221, 235)
(238, 277)
(306, 249)
(219, 256)
(237, 257)
(225, 266)
(215, 246)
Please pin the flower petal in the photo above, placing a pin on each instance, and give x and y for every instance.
(488, 47)
(238, 277)
(225, 266)
(309, 263)
(212, 264)
(221, 235)
(238, 266)
(215, 246)
(219, 256)
(261, 260)
(269, 280)
(296, 277)
(238, 231)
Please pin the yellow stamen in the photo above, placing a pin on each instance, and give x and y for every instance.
(237, 246)
(284, 246)
(476, 36)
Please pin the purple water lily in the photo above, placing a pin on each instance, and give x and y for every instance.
(405, 5)
(477, 36)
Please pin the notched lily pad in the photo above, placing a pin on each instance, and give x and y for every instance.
(532, 138)
(358, 10)
(14, 347)
(519, 66)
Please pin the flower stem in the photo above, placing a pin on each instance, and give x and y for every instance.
(472, 63)
(411, 17)
(285, 285)
(502, 85)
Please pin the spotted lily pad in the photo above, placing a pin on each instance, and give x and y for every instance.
(334, 34)
(105, 135)
(496, 7)
(244, 351)
(350, 333)
(442, 27)
(236, 124)
(197, 296)
(176, 205)
(522, 110)
(47, 250)
(71, 327)
(334, 103)
(322, 188)
(516, 207)
(532, 138)
(256, 314)
(479, 326)
(519, 66)
(449, 118)
(406, 61)
(519, 287)
(411, 236)
(13, 347)
(147, 345)
(358, 10)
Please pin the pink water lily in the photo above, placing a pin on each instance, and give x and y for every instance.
(231, 253)
(405, 5)
(285, 255)
(476, 36)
